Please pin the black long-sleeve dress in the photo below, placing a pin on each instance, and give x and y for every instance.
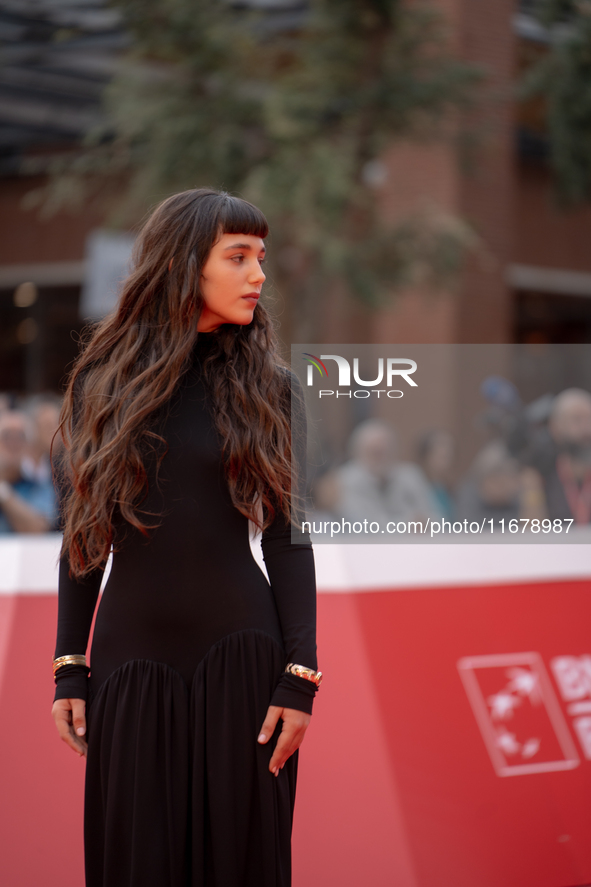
(189, 650)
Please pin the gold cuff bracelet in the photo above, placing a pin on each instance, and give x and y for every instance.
(74, 659)
(302, 672)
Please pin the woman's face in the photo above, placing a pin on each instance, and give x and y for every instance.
(231, 281)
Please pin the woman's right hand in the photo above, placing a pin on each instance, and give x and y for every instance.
(70, 719)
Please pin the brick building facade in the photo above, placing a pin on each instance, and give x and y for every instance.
(530, 283)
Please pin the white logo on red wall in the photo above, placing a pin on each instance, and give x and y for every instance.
(573, 677)
(518, 713)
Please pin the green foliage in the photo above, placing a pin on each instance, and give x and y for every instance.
(563, 77)
(294, 119)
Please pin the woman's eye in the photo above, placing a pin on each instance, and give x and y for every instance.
(237, 259)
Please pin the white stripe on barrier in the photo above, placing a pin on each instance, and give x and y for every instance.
(29, 565)
(384, 567)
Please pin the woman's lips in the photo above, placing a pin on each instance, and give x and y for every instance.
(252, 297)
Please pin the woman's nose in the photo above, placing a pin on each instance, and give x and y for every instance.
(257, 274)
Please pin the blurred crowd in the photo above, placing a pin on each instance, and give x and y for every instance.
(28, 502)
(535, 464)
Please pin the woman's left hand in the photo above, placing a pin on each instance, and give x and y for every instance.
(295, 724)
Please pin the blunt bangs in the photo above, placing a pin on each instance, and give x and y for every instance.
(237, 216)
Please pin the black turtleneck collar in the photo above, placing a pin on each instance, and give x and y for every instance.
(204, 343)
(205, 339)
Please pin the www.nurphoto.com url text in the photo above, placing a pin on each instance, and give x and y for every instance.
(432, 527)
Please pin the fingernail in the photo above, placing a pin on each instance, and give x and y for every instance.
(262, 737)
(80, 731)
(277, 772)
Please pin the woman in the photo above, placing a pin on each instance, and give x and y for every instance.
(176, 423)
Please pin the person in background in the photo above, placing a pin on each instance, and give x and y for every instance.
(26, 506)
(557, 451)
(567, 480)
(374, 485)
(325, 495)
(44, 411)
(498, 487)
(552, 437)
(435, 455)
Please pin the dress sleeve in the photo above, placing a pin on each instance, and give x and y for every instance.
(291, 571)
(76, 603)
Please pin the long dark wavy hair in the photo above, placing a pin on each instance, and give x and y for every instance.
(132, 363)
